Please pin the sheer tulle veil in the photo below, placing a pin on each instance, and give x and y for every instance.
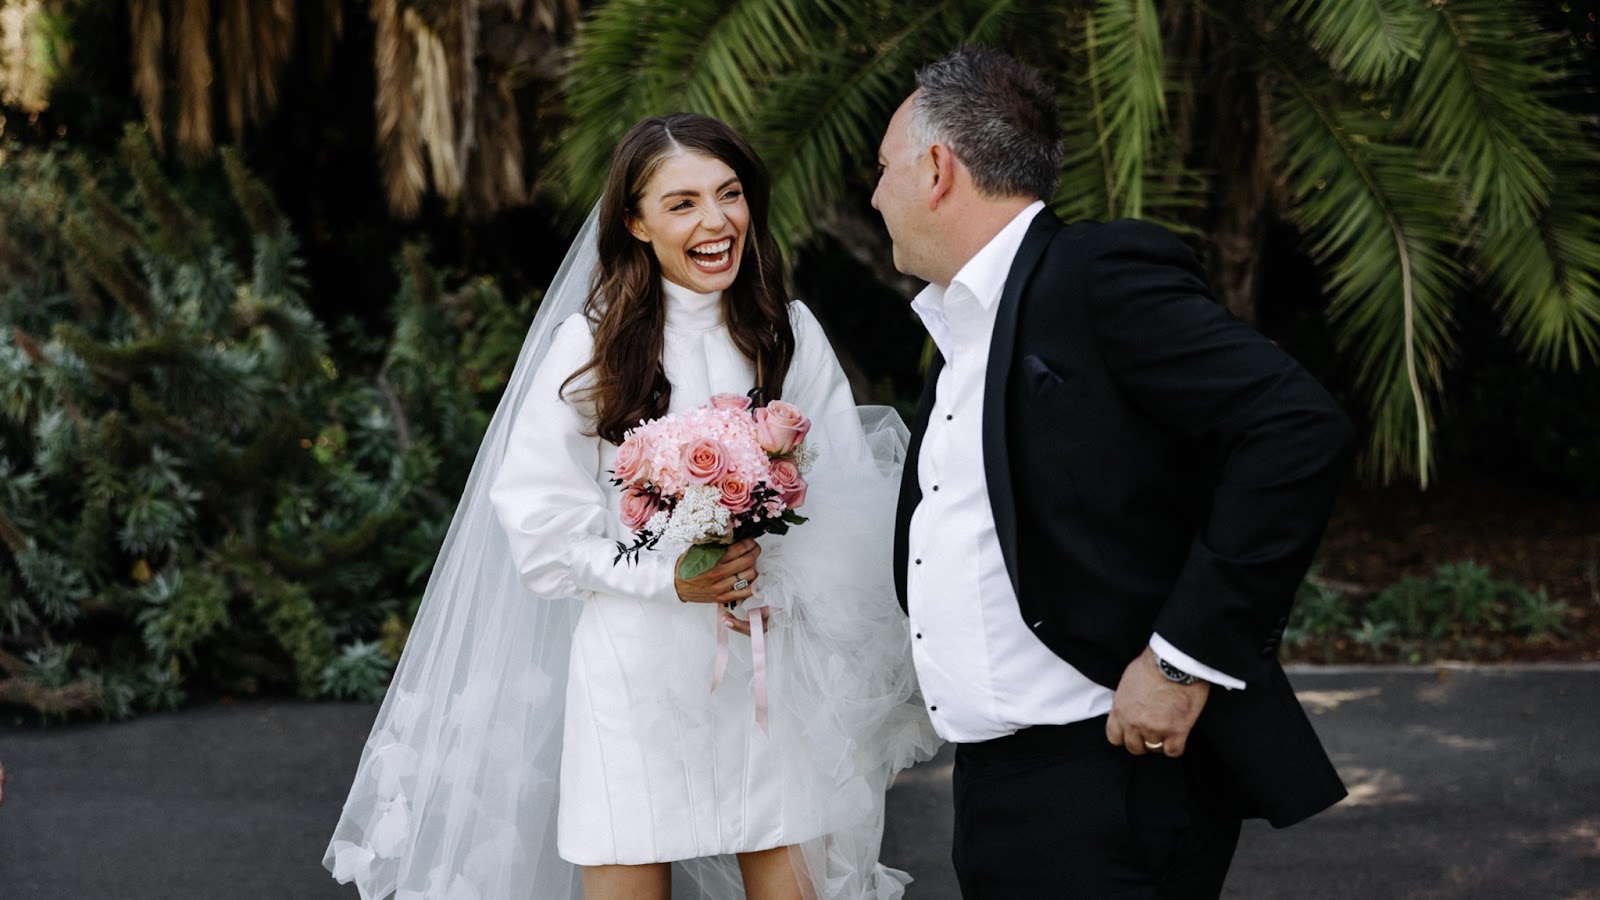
(456, 792)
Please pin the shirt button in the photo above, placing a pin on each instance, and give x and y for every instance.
(949, 418)
(936, 487)
(919, 635)
(919, 562)
(933, 709)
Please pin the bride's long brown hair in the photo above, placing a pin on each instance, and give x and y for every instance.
(626, 303)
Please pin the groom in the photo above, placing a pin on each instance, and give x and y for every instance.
(1113, 492)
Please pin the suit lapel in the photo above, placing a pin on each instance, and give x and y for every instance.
(1002, 346)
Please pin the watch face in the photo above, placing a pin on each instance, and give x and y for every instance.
(1174, 673)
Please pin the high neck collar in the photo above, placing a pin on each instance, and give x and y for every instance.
(689, 311)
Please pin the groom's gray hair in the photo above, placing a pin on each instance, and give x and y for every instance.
(999, 116)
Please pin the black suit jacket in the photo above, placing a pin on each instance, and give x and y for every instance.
(1154, 465)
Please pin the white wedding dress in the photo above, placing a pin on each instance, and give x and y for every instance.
(554, 708)
(656, 766)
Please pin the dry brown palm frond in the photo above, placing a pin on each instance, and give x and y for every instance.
(435, 111)
(193, 40)
(327, 36)
(399, 141)
(468, 20)
(236, 53)
(148, 29)
(451, 74)
(495, 170)
(255, 41)
(24, 79)
(275, 44)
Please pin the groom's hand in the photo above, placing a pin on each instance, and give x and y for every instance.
(1149, 710)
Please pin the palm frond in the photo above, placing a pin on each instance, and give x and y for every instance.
(147, 42)
(1546, 279)
(1477, 106)
(437, 97)
(398, 137)
(823, 124)
(637, 58)
(1377, 226)
(1126, 79)
(193, 37)
(1120, 159)
(254, 42)
(1369, 41)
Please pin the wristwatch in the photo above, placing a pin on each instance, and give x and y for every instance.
(1173, 673)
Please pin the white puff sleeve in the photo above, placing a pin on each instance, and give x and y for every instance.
(552, 496)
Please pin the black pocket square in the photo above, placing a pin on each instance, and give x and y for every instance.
(1040, 378)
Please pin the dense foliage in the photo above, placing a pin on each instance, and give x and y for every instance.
(1428, 156)
(193, 493)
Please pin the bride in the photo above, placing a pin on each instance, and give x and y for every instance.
(552, 730)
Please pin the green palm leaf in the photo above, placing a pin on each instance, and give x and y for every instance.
(1125, 78)
(639, 58)
(1368, 40)
(1408, 138)
(1477, 105)
(1378, 226)
(825, 123)
(1546, 279)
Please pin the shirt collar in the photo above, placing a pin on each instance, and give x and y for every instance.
(982, 278)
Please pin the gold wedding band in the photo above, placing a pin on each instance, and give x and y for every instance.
(1155, 746)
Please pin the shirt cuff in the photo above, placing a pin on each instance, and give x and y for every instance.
(1164, 650)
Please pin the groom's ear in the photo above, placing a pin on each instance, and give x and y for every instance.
(943, 160)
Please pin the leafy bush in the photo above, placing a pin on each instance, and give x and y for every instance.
(194, 492)
(1460, 611)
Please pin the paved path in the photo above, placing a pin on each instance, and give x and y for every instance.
(1466, 783)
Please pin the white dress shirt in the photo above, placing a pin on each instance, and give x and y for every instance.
(983, 672)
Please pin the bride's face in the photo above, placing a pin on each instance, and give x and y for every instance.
(693, 214)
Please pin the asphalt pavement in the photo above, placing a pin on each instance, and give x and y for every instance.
(1466, 782)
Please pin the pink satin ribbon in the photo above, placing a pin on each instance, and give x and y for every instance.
(758, 662)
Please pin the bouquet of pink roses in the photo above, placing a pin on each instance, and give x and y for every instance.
(714, 475)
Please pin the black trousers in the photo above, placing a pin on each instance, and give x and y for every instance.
(1056, 811)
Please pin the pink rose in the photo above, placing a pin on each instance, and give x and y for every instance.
(789, 483)
(781, 427)
(704, 460)
(637, 508)
(730, 401)
(630, 463)
(736, 494)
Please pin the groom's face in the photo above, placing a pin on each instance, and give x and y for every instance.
(901, 195)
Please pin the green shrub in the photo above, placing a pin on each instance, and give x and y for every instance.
(194, 492)
(1460, 611)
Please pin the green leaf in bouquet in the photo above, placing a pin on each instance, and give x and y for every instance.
(794, 518)
(698, 559)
